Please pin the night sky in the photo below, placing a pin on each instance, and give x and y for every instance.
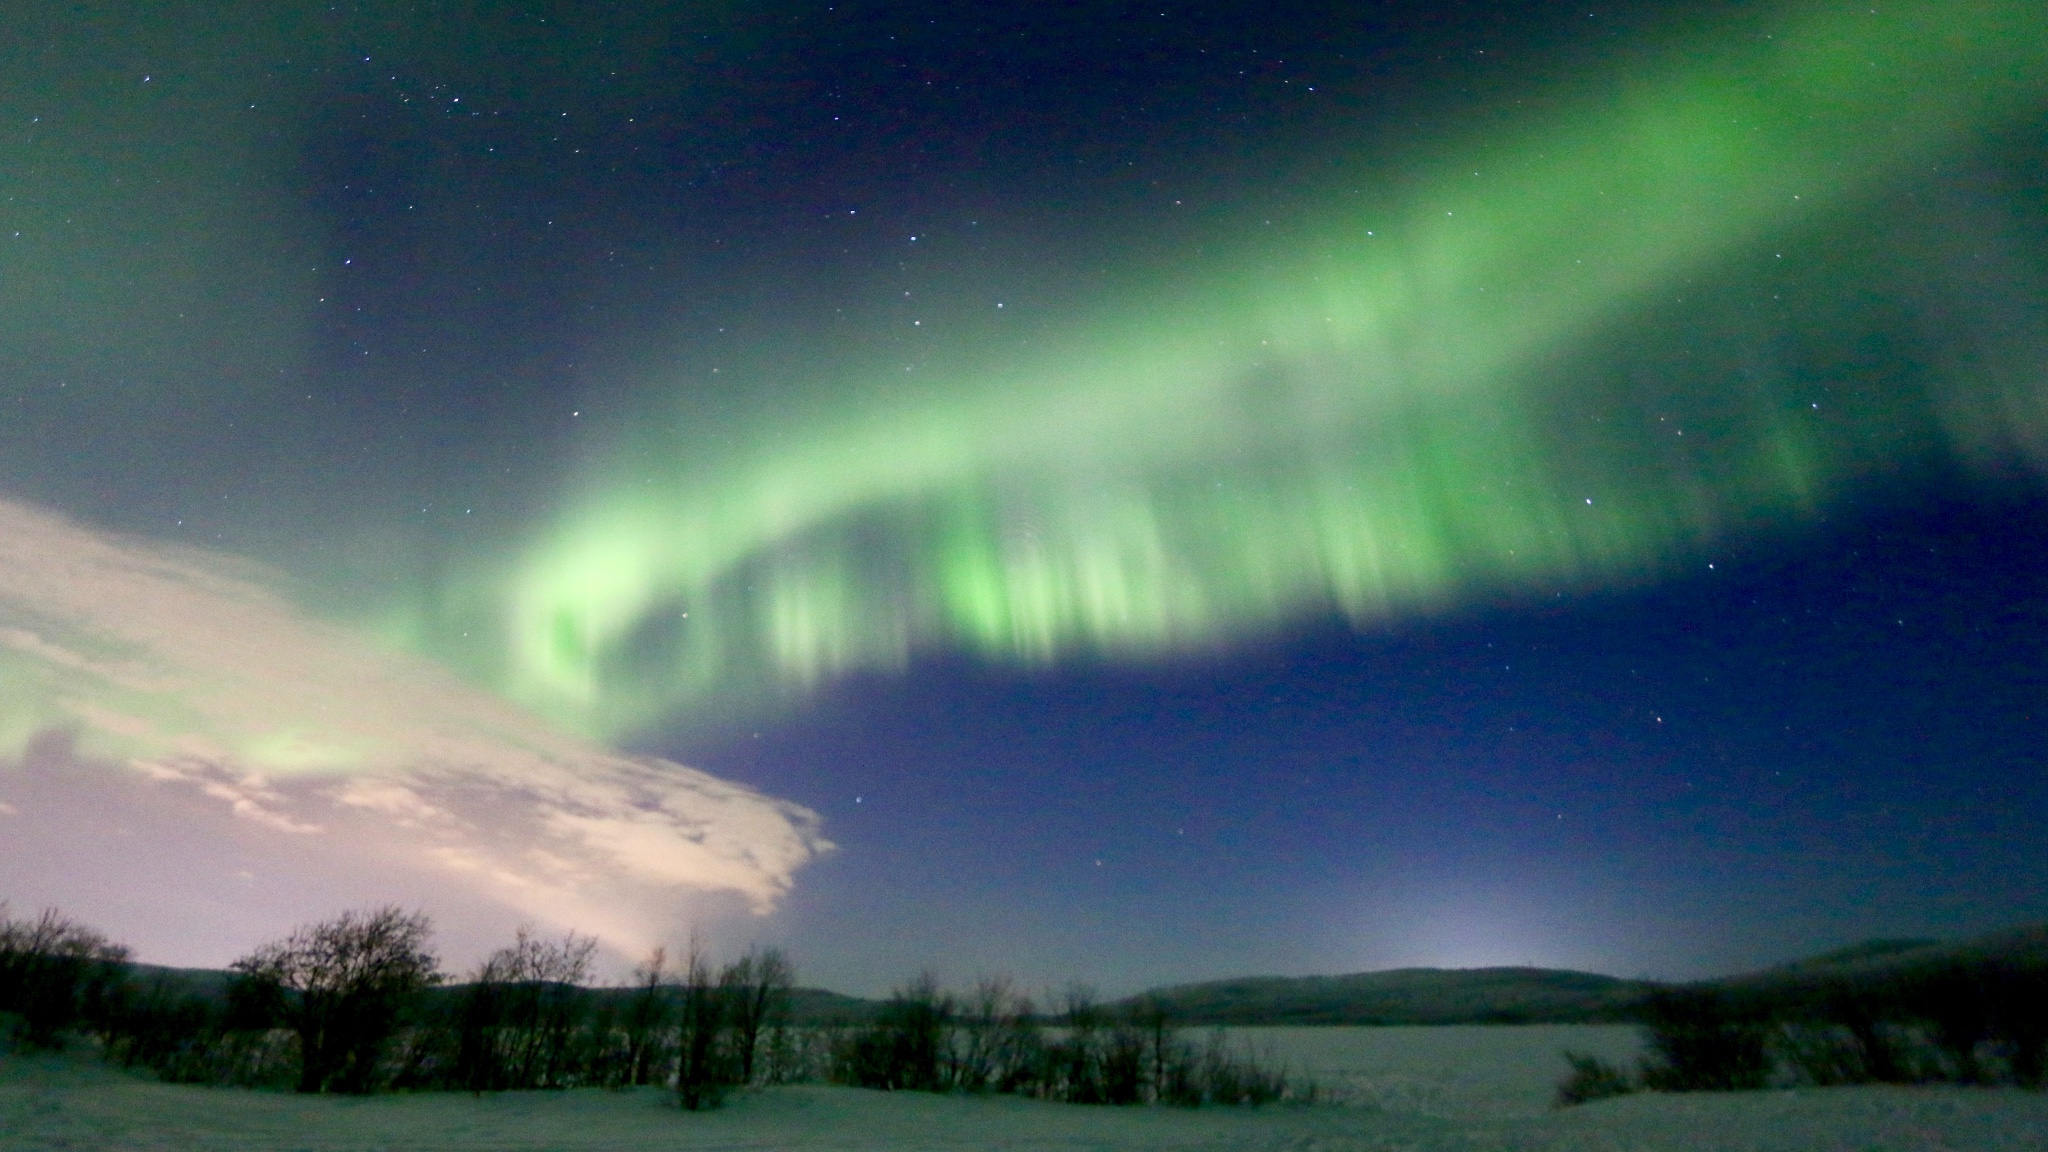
(1128, 493)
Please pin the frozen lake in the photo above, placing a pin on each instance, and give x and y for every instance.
(1467, 1073)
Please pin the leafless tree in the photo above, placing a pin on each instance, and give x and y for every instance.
(996, 1038)
(646, 1019)
(1161, 1040)
(756, 991)
(520, 1013)
(703, 1065)
(54, 972)
(344, 984)
(904, 1046)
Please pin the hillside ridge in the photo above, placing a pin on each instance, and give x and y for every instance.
(1422, 995)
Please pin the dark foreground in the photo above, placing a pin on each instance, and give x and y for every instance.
(51, 1102)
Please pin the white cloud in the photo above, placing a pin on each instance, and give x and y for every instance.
(185, 667)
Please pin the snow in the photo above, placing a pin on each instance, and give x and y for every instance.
(1417, 1090)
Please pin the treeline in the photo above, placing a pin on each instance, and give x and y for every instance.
(993, 1039)
(1950, 1019)
(55, 974)
(358, 1004)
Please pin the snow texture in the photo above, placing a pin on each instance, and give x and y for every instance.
(1415, 1090)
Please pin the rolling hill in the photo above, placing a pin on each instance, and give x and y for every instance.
(1405, 996)
(1412, 996)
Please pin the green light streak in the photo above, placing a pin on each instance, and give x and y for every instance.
(1392, 410)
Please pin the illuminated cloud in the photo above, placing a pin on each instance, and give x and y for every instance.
(184, 667)
(1495, 375)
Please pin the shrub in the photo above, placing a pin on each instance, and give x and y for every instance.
(518, 1020)
(1703, 1042)
(1217, 1076)
(756, 990)
(1073, 1063)
(926, 1039)
(1822, 1053)
(2020, 1005)
(1951, 1000)
(997, 1045)
(157, 1025)
(55, 974)
(901, 1047)
(644, 1024)
(705, 1070)
(798, 1054)
(189, 1037)
(1873, 1049)
(342, 987)
(1591, 1078)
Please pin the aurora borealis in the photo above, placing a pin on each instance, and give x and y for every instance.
(647, 383)
(1373, 422)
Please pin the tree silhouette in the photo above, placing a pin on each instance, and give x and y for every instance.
(345, 984)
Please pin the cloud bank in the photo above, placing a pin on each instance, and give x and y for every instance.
(186, 669)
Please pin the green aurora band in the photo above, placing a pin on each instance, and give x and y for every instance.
(1532, 379)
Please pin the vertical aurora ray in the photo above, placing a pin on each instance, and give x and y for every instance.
(1389, 408)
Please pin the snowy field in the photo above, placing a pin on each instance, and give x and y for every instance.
(1468, 1089)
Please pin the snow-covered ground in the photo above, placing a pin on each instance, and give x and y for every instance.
(1468, 1089)
(1459, 1073)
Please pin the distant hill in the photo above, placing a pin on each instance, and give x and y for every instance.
(1869, 950)
(1406, 996)
(813, 1006)
(1550, 996)
(810, 1007)
(1438, 995)
(1881, 963)
(209, 982)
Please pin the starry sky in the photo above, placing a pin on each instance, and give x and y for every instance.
(1118, 492)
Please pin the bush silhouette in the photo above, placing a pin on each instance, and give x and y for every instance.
(1703, 1042)
(901, 1047)
(705, 1070)
(644, 1024)
(1863, 1012)
(55, 973)
(1952, 1002)
(342, 986)
(1591, 1078)
(517, 1022)
(347, 1006)
(756, 990)
(2020, 1020)
(927, 1039)
(188, 1037)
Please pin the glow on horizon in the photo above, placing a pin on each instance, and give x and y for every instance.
(1360, 419)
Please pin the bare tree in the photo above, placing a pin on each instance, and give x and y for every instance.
(1076, 1061)
(1161, 1040)
(345, 983)
(548, 1000)
(997, 1038)
(903, 1046)
(520, 1013)
(55, 972)
(645, 1019)
(757, 992)
(702, 1065)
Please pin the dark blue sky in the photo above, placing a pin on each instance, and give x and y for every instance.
(1819, 739)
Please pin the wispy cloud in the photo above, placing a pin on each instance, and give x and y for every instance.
(185, 667)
